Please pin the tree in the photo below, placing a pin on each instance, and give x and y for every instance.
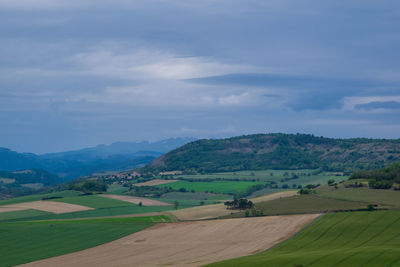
(176, 204)
(140, 204)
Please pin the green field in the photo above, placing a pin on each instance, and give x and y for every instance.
(223, 187)
(305, 176)
(385, 197)
(55, 195)
(304, 204)
(102, 207)
(337, 239)
(23, 242)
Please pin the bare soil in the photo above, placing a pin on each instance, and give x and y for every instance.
(49, 206)
(137, 200)
(187, 243)
(155, 182)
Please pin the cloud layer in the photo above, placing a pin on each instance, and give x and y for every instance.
(74, 74)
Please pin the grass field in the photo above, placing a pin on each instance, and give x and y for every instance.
(385, 197)
(223, 187)
(337, 239)
(304, 204)
(23, 242)
(55, 195)
(305, 176)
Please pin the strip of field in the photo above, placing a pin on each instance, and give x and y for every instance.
(23, 242)
(223, 187)
(337, 239)
(219, 210)
(137, 200)
(49, 206)
(188, 243)
(155, 182)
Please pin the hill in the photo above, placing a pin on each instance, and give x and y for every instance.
(70, 164)
(279, 151)
(25, 182)
(384, 178)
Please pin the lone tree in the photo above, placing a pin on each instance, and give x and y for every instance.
(176, 204)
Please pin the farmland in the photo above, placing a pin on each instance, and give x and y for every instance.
(37, 240)
(223, 187)
(100, 207)
(187, 243)
(337, 239)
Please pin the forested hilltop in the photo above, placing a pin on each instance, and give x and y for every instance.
(279, 151)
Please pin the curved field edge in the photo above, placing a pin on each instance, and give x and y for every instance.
(337, 239)
(23, 242)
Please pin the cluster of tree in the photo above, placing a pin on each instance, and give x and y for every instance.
(278, 151)
(308, 189)
(384, 178)
(241, 203)
(89, 186)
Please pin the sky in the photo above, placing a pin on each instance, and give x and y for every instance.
(75, 74)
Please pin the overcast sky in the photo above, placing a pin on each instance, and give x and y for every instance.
(75, 73)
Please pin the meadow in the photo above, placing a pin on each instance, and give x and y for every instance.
(304, 204)
(223, 187)
(23, 242)
(288, 178)
(365, 194)
(336, 239)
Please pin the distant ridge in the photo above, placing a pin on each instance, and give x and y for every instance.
(70, 164)
(279, 151)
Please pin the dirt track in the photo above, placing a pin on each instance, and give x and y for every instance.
(49, 206)
(187, 243)
(218, 210)
(137, 200)
(155, 182)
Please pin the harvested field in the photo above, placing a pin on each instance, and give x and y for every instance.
(155, 182)
(187, 243)
(49, 206)
(137, 200)
(274, 196)
(219, 210)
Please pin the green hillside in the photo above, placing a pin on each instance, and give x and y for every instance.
(384, 178)
(279, 151)
(337, 239)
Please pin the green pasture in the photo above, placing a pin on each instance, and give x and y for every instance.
(193, 196)
(51, 196)
(304, 204)
(384, 197)
(305, 176)
(223, 187)
(337, 239)
(23, 242)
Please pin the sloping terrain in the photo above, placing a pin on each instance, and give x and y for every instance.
(279, 151)
(49, 206)
(188, 243)
(218, 210)
(137, 200)
(337, 239)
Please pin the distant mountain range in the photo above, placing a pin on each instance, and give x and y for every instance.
(70, 164)
(279, 151)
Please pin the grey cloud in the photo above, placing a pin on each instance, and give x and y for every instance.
(379, 105)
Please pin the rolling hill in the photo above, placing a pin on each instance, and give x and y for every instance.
(279, 151)
(70, 164)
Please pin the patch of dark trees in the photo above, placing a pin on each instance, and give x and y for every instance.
(241, 204)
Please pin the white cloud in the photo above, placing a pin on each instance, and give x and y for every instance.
(144, 64)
